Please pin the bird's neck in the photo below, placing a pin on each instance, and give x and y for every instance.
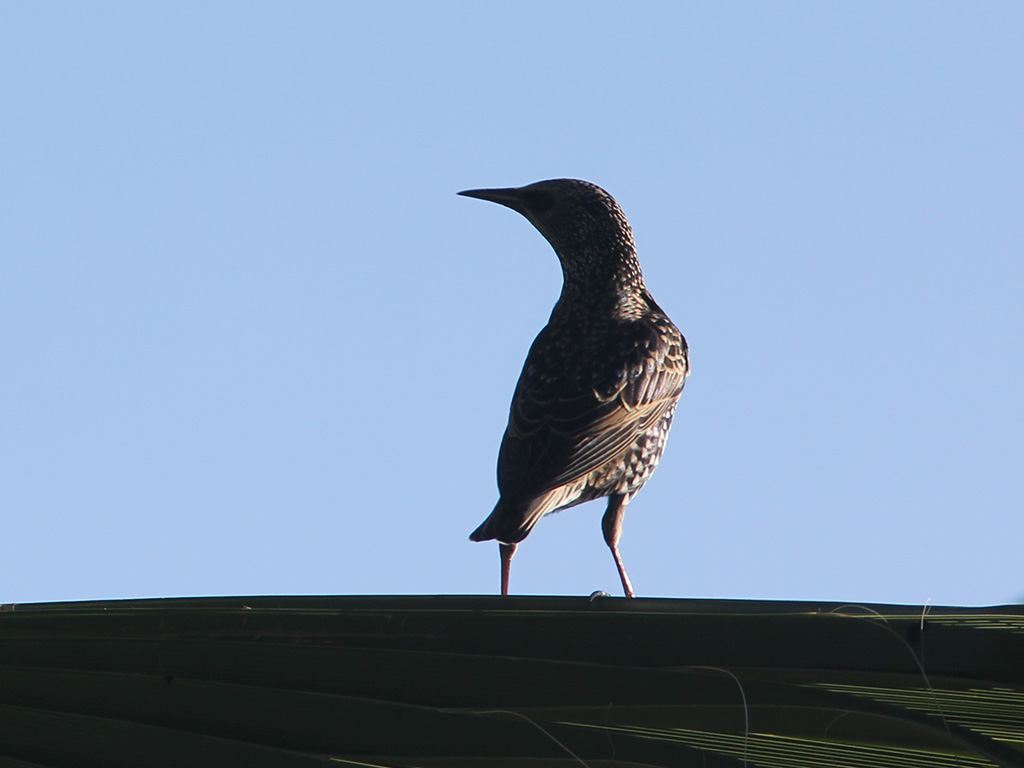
(602, 284)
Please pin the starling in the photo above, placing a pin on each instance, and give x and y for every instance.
(594, 403)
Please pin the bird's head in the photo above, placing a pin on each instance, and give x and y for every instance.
(574, 216)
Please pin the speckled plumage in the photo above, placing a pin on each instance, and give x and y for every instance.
(594, 403)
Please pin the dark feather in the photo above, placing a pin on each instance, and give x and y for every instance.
(564, 425)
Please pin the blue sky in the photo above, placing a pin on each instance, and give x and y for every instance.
(253, 342)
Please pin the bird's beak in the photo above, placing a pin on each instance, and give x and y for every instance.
(510, 196)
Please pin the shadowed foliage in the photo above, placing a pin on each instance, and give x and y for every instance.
(489, 681)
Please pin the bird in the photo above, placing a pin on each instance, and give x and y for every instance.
(594, 403)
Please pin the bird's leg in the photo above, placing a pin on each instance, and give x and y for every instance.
(507, 550)
(611, 525)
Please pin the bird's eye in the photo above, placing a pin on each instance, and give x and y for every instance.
(538, 201)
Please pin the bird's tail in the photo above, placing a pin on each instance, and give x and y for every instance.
(510, 523)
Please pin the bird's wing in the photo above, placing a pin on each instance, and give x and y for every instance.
(562, 427)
